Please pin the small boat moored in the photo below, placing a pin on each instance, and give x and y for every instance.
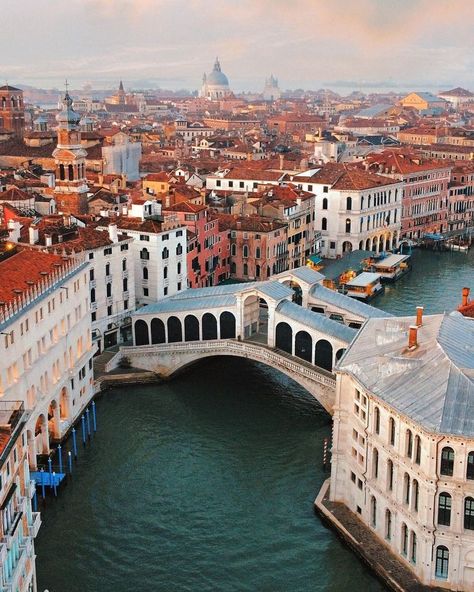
(392, 268)
(365, 286)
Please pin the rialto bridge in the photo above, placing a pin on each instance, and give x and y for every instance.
(270, 322)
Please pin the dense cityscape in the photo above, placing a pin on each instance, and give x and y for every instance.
(311, 244)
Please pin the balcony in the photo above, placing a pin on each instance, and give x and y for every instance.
(34, 527)
(10, 535)
(30, 489)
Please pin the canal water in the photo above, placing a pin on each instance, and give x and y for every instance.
(206, 483)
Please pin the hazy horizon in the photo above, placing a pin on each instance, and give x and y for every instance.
(309, 44)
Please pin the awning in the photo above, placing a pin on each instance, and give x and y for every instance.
(314, 259)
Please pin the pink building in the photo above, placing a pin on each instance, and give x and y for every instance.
(425, 190)
(208, 252)
(461, 197)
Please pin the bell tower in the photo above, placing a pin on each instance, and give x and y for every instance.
(12, 110)
(70, 159)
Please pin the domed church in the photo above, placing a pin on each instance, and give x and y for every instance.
(215, 85)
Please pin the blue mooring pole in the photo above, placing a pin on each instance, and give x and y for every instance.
(88, 423)
(60, 457)
(35, 502)
(94, 417)
(83, 425)
(42, 484)
(50, 469)
(69, 460)
(54, 484)
(74, 443)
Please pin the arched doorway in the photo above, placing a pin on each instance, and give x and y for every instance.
(346, 247)
(388, 243)
(209, 326)
(323, 354)
(141, 333)
(380, 243)
(251, 314)
(191, 328)
(304, 346)
(31, 442)
(158, 333)
(227, 325)
(175, 331)
(284, 337)
(53, 421)
(368, 244)
(263, 319)
(41, 435)
(297, 291)
(64, 404)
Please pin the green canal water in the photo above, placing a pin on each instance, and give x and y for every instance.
(206, 483)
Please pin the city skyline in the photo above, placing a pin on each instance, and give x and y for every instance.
(305, 44)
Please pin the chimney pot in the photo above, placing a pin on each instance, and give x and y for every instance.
(412, 337)
(419, 316)
(465, 296)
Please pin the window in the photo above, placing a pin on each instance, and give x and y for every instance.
(233, 250)
(413, 547)
(324, 224)
(470, 466)
(179, 286)
(325, 189)
(375, 464)
(125, 284)
(145, 273)
(353, 477)
(388, 525)
(404, 540)
(245, 251)
(246, 269)
(145, 291)
(165, 291)
(391, 431)
(91, 255)
(178, 268)
(144, 254)
(107, 269)
(447, 461)
(389, 475)
(91, 275)
(257, 253)
(165, 253)
(179, 249)
(415, 495)
(144, 237)
(417, 450)
(349, 203)
(377, 420)
(442, 562)
(93, 295)
(406, 488)
(165, 272)
(444, 509)
(109, 310)
(409, 443)
(325, 203)
(348, 225)
(469, 513)
(373, 511)
(109, 290)
(124, 264)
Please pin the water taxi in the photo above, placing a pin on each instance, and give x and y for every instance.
(392, 268)
(365, 286)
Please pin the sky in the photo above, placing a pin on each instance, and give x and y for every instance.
(367, 44)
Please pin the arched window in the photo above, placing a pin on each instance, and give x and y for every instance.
(406, 488)
(141, 333)
(362, 203)
(417, 450)
(165, 272)
(165, 253)
(409, 443)
(447, 461)
(373, 511)
(62, 174)
(145, 273)
(391, 431)
(404, 539)
(257, 271)
(325, 203)
(178, 268)
(442, 562)
(348, 203)
(179, 249)
(470, 466)
(209, 326)
(348, 225)
(369, 199)
(109, 290)
(415, 495)
(377, 420)
(245, 251)
(158, 334)
(469, 513)
(175, 331)
(125, 285)
(444, 509)
(144, 254)
(257, 253)
(413, 547)
(93, 295)
(191, 328)
(324, 223)
(284, 337)
(124, 264)
(390, 475)
(375, 464)
(227, 325)
(246, 269)
(388, 525)
(233, 250)
(70, 170)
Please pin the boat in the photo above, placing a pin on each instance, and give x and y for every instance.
(392, 268)
(365, 286)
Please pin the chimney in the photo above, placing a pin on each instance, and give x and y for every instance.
(282, 158)
(33, 234)
(465, 296)
(419, 316)
(412, 337)
(113, 234)
(48, 240)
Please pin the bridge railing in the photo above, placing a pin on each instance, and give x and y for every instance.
(257, 352)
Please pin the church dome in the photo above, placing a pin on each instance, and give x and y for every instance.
(217, 77)
(67, 116)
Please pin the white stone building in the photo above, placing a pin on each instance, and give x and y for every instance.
(46, 343)
(403, 442)
(122, 157)
(355, 209)
(215, 85)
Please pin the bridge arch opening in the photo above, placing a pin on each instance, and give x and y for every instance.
(297, 291)
(323, 354)
(340, 353)
(304, 346)
(209, 326)
(141, 333)
(158, 332)
(227, 325)
(175, 330)
(191, 328)
(284, 337)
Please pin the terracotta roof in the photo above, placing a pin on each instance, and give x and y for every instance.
(163, 177)
(25, 269)
(186, 206)
(404, 161)
(248, 223)
(346, 177)
(15, 194)
(129, 223)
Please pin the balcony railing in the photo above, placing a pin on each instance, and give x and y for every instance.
(34, 527)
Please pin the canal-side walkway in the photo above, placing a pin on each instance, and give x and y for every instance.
(362, 541)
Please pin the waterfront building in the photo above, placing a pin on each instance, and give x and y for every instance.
(403, 442)
(208, 250)
(46, 344)
(355, 208)
(461, 197)
(425, 190)
(215, 85)
(19, 525)
(12, 110)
